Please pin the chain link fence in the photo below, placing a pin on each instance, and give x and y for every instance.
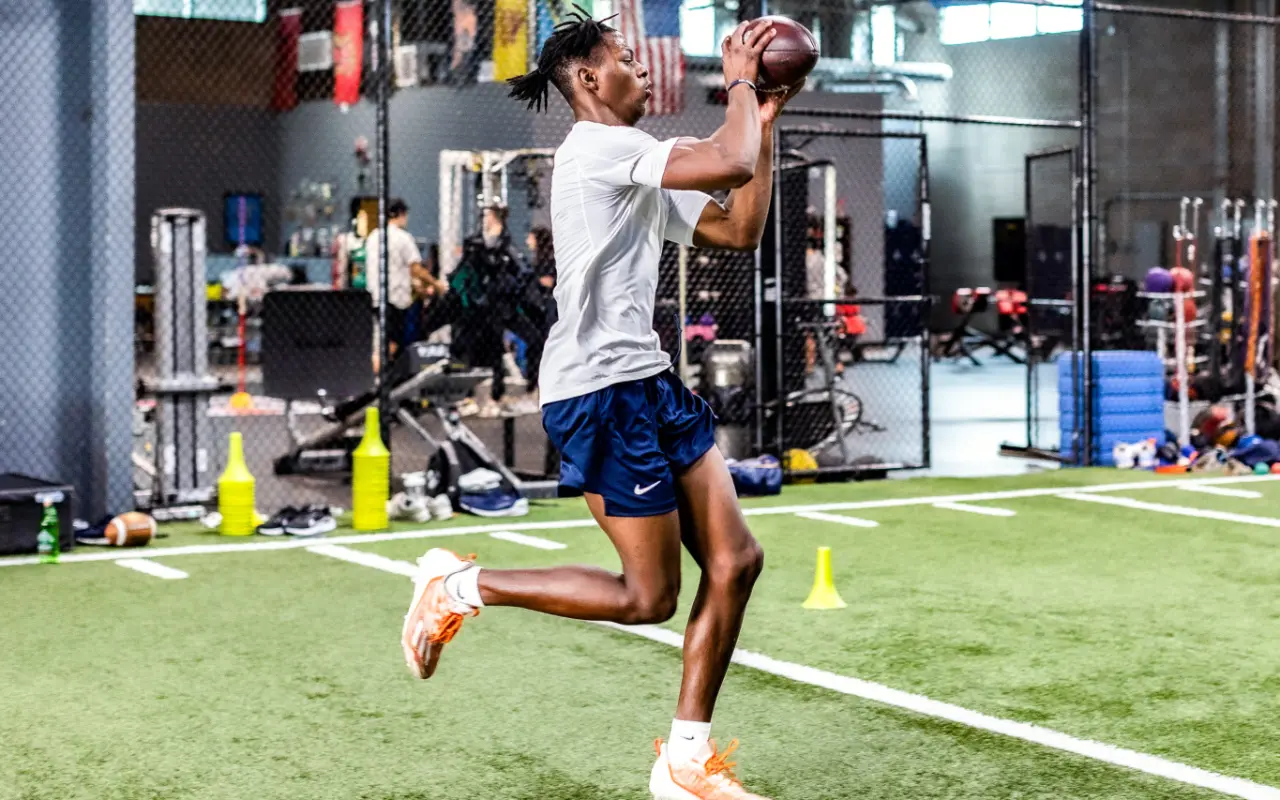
(253, 127)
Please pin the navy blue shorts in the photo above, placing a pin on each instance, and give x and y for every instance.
(629, 442)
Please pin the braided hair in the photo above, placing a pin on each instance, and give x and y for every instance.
(572, 40)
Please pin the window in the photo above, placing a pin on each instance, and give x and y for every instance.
(234, 10)
(978, 22)
(884, 35)
(703, 25)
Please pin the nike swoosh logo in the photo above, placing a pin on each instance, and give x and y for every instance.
(687, 738)
(646, 489)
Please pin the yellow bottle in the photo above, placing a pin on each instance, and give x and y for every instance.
(235, 492)
(371, 478)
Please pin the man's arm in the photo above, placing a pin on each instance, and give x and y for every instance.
(739, 223)
(726, 159)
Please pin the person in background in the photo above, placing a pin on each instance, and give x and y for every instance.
(542, 255)
(495, 287)
(405, 272)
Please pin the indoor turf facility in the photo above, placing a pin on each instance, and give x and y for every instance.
(993, 380)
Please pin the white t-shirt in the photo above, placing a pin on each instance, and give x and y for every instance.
(402, 255)
(609, 217)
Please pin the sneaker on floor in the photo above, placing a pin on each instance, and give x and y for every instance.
(276, 525)
(403, 506)
(440, 507)
(310, 521)
(708, 777)
(434, 617)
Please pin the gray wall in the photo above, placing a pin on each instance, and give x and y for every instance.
(66, 294)
(190, 155)
(976, 171)
(317, 142)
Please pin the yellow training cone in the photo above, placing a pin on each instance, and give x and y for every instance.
(235, 492)
(824, 594)
(371, 477)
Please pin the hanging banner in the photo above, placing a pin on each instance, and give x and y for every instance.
(465, 65)
(288, 33)
(348, 51)
(551, 13)
(510, 39)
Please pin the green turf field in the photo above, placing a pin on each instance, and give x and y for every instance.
(276, 673)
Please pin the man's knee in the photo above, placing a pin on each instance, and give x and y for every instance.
(738, 569)
(652, 606)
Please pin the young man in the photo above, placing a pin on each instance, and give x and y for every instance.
(404, 272)
(632, 437)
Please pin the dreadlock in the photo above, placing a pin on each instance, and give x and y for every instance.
(572, 40)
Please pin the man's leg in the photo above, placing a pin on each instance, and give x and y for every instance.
(447, 589)
(716, 535)
(645, 592)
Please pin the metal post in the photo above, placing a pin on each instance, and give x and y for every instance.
(683, 302)
(1032, 394)
(1264, 57)
(1088, 191)
(382, 73)
(779, 372)
(925, 308)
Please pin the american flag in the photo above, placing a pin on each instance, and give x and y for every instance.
(652, 27)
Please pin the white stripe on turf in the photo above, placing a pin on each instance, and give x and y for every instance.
(1142, 762)
(1182, 511)
(528, 541)
(365, 559)
(839, 519)
(1222, 491)
(369, 538)
(989, 511)
(152, 568)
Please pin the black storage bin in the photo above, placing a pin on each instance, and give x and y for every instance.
(20, 513)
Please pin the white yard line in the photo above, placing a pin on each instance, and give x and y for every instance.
(1222, 491)
(147, 567)
(1182, 511)
(839, 519)
(428, 533)
(1142, 762)
(365, 559)
(527, 541)
(988, 511)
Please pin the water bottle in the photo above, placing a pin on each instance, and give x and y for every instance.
(47, 541)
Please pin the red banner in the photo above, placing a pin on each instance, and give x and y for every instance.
(285, 96)
(348, 51)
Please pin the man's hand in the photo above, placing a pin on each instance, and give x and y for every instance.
(772, 103)
(741, 51)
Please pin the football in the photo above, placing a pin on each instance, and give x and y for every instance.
(130, 529)
(789, 58)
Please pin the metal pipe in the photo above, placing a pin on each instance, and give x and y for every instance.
(1264, 68)
(926, 235)
(779, 376)
(846, 69)
(1088, 190)
(383, 61)
(1221, 111)
(1186, 13)
(1032, 393)
(971, 119)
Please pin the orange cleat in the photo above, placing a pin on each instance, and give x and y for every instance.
(709, 777)
(434, 617)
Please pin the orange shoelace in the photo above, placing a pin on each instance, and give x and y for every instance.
(719, 763)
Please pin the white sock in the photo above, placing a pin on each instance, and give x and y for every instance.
(688, 739)
(464, 586)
